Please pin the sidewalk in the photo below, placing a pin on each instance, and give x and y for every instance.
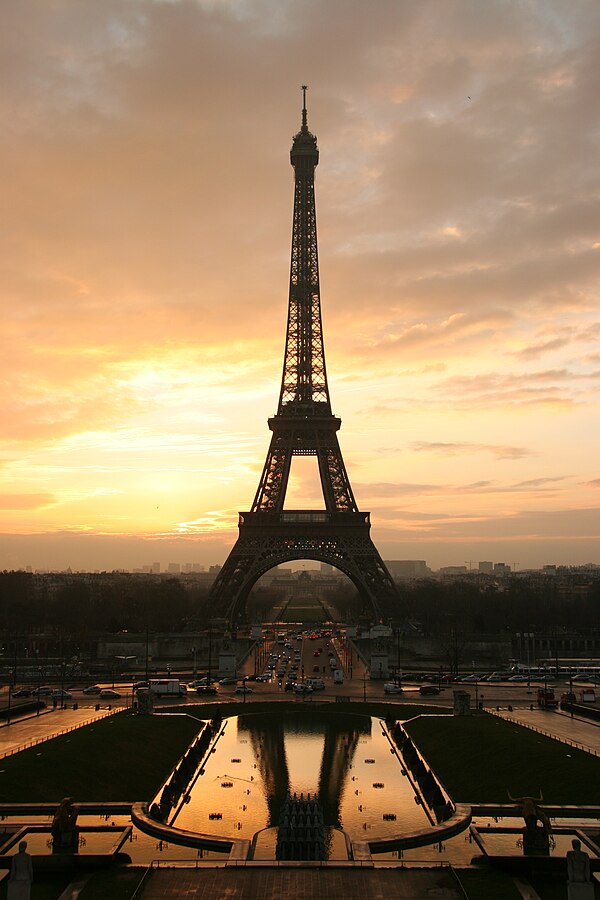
(49, 723)
(563, 726)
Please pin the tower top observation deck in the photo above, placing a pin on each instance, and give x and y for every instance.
(304, 147)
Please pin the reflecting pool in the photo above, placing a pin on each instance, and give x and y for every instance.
(347, 760)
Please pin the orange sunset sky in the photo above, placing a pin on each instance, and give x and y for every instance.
(147, 199)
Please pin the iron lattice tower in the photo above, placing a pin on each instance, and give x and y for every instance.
(304, 426)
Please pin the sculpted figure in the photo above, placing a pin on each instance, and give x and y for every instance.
(21, 875)
(64, 826)
(531, 812)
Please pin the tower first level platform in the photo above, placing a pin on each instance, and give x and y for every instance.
(267, 539)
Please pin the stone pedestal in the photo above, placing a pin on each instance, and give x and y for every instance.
(583, 891)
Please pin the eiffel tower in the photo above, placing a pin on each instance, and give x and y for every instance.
(304, 425)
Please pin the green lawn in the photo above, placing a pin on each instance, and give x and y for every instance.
(122, 757)
(480, 758)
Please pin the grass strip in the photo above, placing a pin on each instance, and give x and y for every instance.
(116, 883)
(45, 886)
(484, 882)
(479, 758)
(121, 757)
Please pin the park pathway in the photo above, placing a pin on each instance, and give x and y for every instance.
(572, 729)
(23, 732)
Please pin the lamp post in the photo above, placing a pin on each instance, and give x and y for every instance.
(38, 690)
(364, 686)
(195, 652)
(62, 683)
(10, 689)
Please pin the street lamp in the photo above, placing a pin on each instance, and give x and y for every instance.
(38, 690)
(10, 689)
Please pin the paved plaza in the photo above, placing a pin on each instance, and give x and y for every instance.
(302, 884)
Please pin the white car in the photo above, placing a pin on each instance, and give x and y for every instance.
(392, 688)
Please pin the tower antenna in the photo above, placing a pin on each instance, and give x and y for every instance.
(304, 116)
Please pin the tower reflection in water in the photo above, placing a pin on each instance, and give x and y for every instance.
(344, 759)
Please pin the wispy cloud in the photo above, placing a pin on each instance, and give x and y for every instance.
(453, 448)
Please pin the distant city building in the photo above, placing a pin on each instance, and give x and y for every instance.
(407, 568)
(156, 568)
(486, 567)
(453, 570)
(174, 568)
(501, 568)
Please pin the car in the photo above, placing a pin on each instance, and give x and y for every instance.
(471, 678)
(316, 668)
(266, 676)
(96, 689)
(22, 692)
(518, 678)
(301, 688)
(206, 689)
(43, 691)
(289, 686)
(61, 695)
(109, 694)
(582, 676)
(429, 689)
(392, 688)
(229, 679)
(242, 689)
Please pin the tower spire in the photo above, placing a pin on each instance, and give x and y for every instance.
(304, 114)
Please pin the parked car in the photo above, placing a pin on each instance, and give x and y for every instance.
(96, 689)
(518, 678)
(43, 691)
(61, 695)
(391, 688)
(109, 694)
(22, 692)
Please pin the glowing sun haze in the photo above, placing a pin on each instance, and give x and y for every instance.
(147, 197)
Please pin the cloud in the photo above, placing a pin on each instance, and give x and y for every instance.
(26, 501)
(144, 275)
(465, 447)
